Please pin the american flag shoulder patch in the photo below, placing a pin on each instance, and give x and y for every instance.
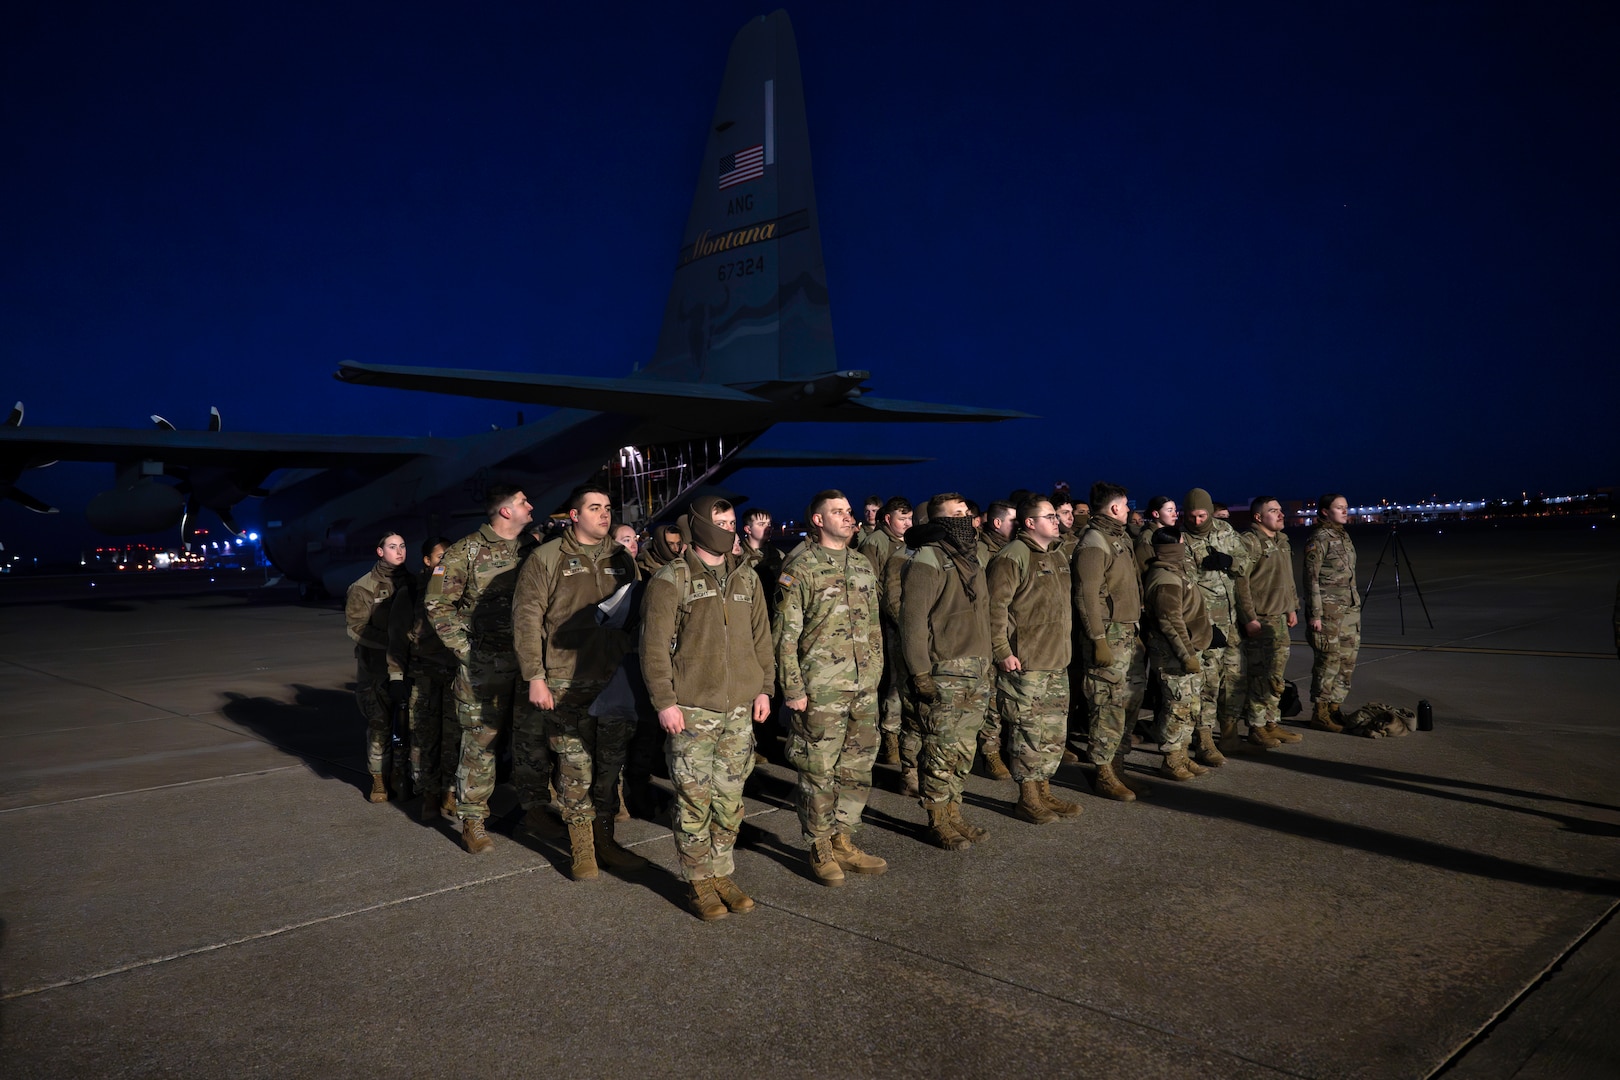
(742, 166)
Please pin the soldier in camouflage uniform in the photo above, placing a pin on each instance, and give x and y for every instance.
(1215, 559)
(945, 632)
(379, 664)
(1267, 607)
(1332, 611)
(435, 731)
(894, 518)
(469, 601)
(707, 660)
(1108, 598)
(1178, 633)
(1000, 521)
(829, 658)
(566, 658)
(1030, 626)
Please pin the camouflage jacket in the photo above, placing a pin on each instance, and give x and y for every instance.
(1219, 586)
(469, 596)
(705, 638)
(938, 622)
(367, 610)
(1330, 573)
(1176, 612)
(1031, 606)
(554, 628)
(1107, 584)
(827, 631)
(409, 624)
(1268, 587)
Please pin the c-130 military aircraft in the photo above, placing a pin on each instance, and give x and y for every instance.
(746, 343)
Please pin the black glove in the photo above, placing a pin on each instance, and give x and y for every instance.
(399, 691)
(923, 686)
(1217, 640)
(1217, 560)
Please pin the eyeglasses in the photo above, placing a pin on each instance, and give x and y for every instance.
(1047, 517)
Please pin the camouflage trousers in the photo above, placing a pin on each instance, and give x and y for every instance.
(708, 764)
(950, 726)
(589, 751)
(491, 698)
(833, 744)
(435, 731)
(1180, 696)
(1336, 648)
(1034, 708)
(371, 693)
(1223, 688)
(1266, 656)
(1115, 692)
(899, 700)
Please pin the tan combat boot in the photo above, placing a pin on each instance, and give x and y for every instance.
(1106, 785)
(474, 838)
(1322, 718)
(731, 896)
(1191, 765)
(852, 858)
(889, 754)
(824, 862)
(379, 791)
(1261, 736)
(448, 807)
(1031, 807)
(1207, 753)
(608, 851)
(994, 767)
(908, 784)
(1061, 807)
(1140, 788)
(1282, 734)
(1337, 712)
(941, 830)
(1175, 766)
(583, 846)
(704, 902)
(971, 833)
(623, 813)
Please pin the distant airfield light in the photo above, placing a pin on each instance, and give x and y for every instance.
(252, 536)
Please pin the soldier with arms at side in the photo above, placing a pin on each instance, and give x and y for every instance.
(945, 632)
(1178, 633)
(1332, 611)
(1267, 607)
(435, 731)
(566, 657)
(469, 601)
(894, 518)
(829, 658)
(1030, 624)
(707, 660)
(1108, 599)
(380, 664)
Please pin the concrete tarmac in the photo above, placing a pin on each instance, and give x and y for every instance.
(193, 884)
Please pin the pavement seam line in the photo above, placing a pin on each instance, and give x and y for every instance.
(88, 686)
(1529, 988)
(262, 935)
(156, 787)
(1037, 991)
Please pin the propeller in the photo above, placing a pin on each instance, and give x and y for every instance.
(10, 471)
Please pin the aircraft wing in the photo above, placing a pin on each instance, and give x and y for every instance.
(644, 397)
(213, 448)
(753, 458)
(890, 410)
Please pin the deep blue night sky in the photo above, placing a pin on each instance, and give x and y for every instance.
(1367, 247)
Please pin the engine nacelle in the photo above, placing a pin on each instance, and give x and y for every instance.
(144, 508)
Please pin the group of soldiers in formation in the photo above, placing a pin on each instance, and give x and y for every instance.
(926, 637)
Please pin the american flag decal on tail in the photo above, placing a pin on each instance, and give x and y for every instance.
(742, 166)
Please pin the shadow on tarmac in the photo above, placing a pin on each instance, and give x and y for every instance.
(1187, 798)
(321, 727)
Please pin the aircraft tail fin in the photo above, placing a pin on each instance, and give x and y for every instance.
(749, 301)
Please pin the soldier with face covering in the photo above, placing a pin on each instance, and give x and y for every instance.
(1216, 558)
(945, 633)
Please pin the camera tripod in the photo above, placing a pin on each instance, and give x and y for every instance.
(1393, 546)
